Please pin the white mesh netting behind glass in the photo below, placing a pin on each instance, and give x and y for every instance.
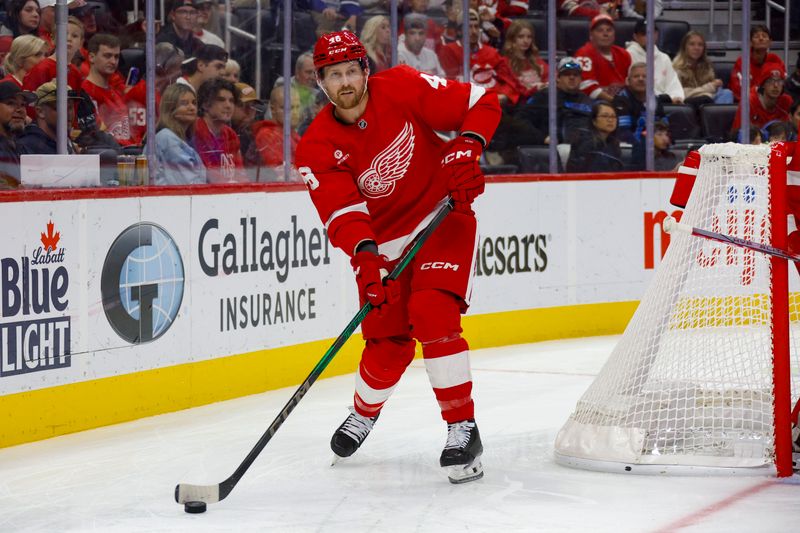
(690, 382)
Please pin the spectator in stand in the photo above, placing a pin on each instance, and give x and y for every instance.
(244, 115)
(630, 106)
(112, 111)
(589, 8)
(452, 31)
(667, 81)
(22, 18)
(45, 70)
(177, 160)
(12, 121)
(26, 52)
(85, 12)
(215, 141)
(320, 101)
(767, 99)
(5, 48)
(792, 87)
(202, 20)
(760, 43)
(777, 131)
(377, 39)
(411, 50)
(375, 7)
(794, 115)
(269, 133)
(573, 107)
(179, 30)
(637, 9)
(333, 15)
(232, 72)
(304, 82)
(208, 64)
(488, 68)
(493, 26)
(663, 158)
(168, 69)
(523, 56)
(605, 65)
(696, 73)
(39, 137)
(433, 30)
(599, 151)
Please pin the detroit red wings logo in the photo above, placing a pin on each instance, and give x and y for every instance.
(388, 166)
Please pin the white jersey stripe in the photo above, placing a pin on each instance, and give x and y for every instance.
(393, 249)
(475, 94)
(356, 208)
(449, 371)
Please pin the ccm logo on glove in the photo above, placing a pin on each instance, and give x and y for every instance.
(458, 154)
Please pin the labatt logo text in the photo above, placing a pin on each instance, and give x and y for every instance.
(34, 331)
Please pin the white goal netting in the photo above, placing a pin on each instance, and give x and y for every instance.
(690, 383)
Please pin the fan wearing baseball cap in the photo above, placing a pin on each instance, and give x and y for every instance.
(768, 102)
(39, 136)
(179, 31)
(605, 65)
(573, 107)
(12, 121)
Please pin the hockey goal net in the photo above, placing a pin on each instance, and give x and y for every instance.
(705, 376)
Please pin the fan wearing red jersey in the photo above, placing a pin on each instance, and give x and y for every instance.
(377, 171)
(104, 52)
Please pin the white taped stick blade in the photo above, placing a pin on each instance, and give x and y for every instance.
(196, 493)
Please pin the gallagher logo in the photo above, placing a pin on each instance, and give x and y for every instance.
(142, 283)
(33, 295)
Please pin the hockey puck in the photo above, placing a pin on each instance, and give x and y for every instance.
(194, 507)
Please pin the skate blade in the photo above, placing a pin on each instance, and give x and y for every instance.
(337, 458)
(464, 474)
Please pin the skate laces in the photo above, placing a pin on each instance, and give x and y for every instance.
(458, 434)
(357, 426)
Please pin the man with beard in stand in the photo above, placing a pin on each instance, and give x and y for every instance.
(377, 172)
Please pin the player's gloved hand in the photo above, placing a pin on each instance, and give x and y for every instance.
(370, 270)
(460, 167)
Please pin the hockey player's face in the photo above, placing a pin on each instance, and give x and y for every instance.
(345, 83)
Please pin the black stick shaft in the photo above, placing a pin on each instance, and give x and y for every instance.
(227, 486)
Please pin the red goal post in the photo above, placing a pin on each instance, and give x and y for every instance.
(705, 376)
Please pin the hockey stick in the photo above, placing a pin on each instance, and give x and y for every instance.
(673, 226)
(213, 493)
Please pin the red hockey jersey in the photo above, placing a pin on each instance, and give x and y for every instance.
(759, 115)
(111, 110)
(601, 74)
(378, 178)
(488, 69)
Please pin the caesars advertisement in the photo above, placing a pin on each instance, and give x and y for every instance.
(92, 288)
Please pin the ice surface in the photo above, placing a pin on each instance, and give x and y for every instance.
(121, 478)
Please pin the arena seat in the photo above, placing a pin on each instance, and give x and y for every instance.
(717, 120)
(682, 121)
(670, 33)
(535, 160)
(131, 57)
(723, 70)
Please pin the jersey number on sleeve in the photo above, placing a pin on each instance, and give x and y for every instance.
(311, 180)
(434, 81)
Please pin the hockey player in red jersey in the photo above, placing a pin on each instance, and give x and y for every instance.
(377, 171)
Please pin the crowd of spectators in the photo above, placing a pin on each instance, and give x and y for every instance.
(212, 126)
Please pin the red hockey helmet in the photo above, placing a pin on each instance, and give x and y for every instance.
(338, 47)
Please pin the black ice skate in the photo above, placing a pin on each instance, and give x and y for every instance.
(462, 452)
(348, 438)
